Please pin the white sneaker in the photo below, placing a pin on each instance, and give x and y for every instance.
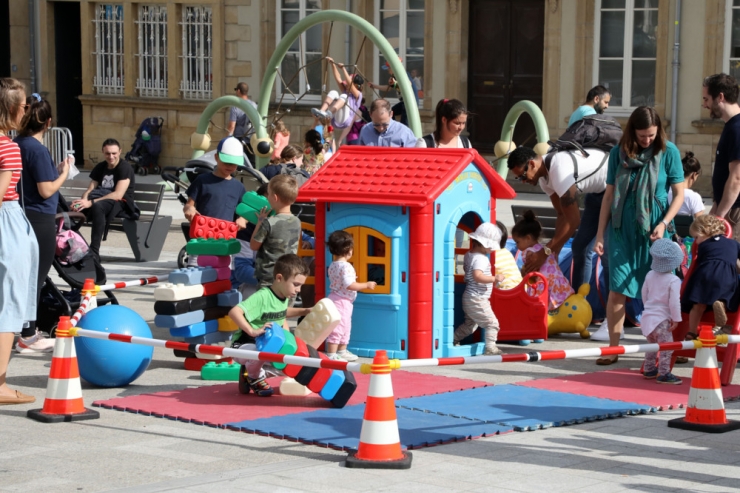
(320, 114)
(38, 343)
(334, 356)
(493, 351)
(603, 333)
(347, 356)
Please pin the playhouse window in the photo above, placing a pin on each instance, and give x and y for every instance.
(372, 258)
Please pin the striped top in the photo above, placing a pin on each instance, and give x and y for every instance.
(10, 160)
(505, 264)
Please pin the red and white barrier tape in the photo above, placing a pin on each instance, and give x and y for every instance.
(138, 282)
(81, 310)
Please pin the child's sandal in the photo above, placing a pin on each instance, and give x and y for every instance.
(690, 336)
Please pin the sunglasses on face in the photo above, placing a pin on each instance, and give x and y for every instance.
(522, 176)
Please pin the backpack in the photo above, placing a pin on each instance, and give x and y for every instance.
(595, 131)
(429, 140)
(301, 176)
(71, 247)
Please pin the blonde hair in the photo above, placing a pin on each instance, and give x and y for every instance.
(707, 225)
(12, 95)
(285, 187)
(279, 127)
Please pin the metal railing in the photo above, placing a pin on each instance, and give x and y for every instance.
(58, 140)
(197, 53)
(152, 35)
(108, 52)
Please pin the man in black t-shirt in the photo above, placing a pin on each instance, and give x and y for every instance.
(110, 193)
(719, 96)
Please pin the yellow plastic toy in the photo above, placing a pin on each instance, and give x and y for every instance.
(574, 315)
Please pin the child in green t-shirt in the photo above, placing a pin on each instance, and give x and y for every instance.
(267, 306)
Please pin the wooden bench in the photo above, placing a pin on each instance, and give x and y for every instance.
(547, 216)
(145, 235)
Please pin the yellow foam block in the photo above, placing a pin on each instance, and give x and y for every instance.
(288, 386)
(318, 324)
(225, 324)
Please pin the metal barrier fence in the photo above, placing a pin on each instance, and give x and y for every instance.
(58, 140)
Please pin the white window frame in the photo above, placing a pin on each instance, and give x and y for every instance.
(152, 58)
(629, 17)
(309, 99)
(203, 58)
(728, 37)
(402, 26)
(108, 56)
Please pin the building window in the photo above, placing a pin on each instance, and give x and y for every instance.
(402, 24)
(300, 71)
(152, 55)
(625, 49)
(197, 53)
(108, 52)
(732, 39)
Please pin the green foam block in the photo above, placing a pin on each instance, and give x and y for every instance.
(289, 348)
(251, 205)
(203, 246)
(220, 371)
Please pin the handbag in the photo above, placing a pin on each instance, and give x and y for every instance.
(70, 247)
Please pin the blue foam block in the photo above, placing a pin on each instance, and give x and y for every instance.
(332, 385)
(193, 275)
(229, 298)
(195, 330)
(523, 408)
(180, 320)
(340, 428)
(272, 339)
(210, 338)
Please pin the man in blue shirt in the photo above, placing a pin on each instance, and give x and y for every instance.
(597, 101)
(384, 131)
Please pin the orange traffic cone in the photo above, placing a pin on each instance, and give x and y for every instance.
(706, 409)
(64, 392)
(380, 444)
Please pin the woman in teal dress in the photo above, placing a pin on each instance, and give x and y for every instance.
(635, 210)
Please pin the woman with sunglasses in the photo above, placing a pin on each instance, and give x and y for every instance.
(450, 120)
(40, 184)
(636, 210)
(18, 248)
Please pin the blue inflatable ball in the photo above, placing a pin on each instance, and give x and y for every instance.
(111, 363)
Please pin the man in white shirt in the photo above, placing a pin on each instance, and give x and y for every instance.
(562, 176)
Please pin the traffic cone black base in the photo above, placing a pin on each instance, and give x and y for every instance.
(682, 424)
(38, 415)
(354, 462)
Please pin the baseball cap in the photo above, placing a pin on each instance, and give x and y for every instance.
(230, 151)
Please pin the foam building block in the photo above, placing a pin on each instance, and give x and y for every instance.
(215, 312)
(216, 287)
(289, 348)
(222, 273)
(288, 386)
(182, 353)
(211, 227)
(229, 298)
(202, 246)
(321, 377)
(193, 275)
(306, 373)
(195, 330)
(251, 205)
(301, 350)
(332, 385)
(225, 324)
(195, 364)
(345, 391)
(212, 338)
(228, 372)
(214, 261)
(180, 320)
(184, 306)
(177, 292)
(271, 340)
(318, 324)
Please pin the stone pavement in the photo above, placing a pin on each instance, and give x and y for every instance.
(128, 452)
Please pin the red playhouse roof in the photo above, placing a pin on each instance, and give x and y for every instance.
(395, 176)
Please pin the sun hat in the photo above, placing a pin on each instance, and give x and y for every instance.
(667, 255)
(488, 235)
(231, 151)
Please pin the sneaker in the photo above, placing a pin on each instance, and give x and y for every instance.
(456, 343)
(320, 114)
(38, 343)
(603, 333)
(669, 378)
(650, 374)
(334, 356)
(347, 356)
(492, 351)
(260, 387)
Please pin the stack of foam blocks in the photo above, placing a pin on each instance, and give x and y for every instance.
(195, 303)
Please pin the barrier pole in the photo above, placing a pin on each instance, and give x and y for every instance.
(138, 282)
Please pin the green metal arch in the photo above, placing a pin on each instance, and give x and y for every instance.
(503, 147)
(216, 105)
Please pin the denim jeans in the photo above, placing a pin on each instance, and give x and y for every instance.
(583, 242)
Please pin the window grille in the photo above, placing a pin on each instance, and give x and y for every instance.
(108, 52)
(152, 35)
(304, 55)
(731, 63)
(197, 54)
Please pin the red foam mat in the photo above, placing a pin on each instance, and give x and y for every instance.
(626, 385)
(218, 404)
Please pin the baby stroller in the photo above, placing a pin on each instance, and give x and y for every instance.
(56, 302)
(144, 153)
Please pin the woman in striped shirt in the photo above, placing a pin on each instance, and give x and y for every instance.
(18, 248)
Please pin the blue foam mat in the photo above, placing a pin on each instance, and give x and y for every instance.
(340, 428)
(522, 408)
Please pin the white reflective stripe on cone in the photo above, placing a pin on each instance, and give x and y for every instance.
(706, 399)
(64, 348)
(703, 359)
(67, 388)
(380, 385)
(380, 432)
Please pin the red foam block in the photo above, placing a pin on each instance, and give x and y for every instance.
(211, 227)
(216, 287)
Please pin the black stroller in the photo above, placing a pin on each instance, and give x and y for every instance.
(56, 302)
(144, 153)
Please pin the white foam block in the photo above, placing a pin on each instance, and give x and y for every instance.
(288, 386)
(318, 324)
(177, 292)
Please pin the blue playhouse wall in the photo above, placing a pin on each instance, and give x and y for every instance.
(379, 321)
(468, 193)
